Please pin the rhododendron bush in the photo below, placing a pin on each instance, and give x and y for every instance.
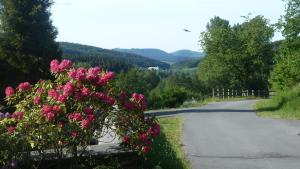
(66, 113)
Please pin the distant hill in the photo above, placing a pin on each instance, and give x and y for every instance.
(108, 59)
(162, 55)
(151, 53)
(188, 53)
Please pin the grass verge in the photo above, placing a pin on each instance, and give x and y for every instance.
(167, 152)
(283, 106)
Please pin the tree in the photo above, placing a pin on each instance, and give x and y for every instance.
(286, 72)
(237, 56)
(27, 40)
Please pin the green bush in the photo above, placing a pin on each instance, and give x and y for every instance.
(167, 96)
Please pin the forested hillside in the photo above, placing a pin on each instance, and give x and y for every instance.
(108, 59)
(189, 63)
(162, 55)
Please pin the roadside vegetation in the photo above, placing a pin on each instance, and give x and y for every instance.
(285, 76)
(167, 152)
(285, 105)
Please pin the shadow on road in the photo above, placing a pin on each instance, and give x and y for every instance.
(186, 111)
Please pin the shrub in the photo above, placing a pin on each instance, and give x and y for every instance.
(64, 114)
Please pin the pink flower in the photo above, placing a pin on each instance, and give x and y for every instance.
(85, 123)
(46, 109)
(37, 100)
(81, 74)
(56, 108)
(24, 86)
(53, 94)
(143, 137)
(11, 130)
(154, 130)
(106, 78)
(18, 115)
(85, 92)
(106, 99)
(109, 76)
(40, 90)
(88, 110)
(49, 116)
(74, 134)
(75, 117)
(65, 64)
(68, 89)
(62, 99)
(146, 149)
(138, 97)
(54, 66)
(72, 74)
(126, 139)
(91, 117)
(93, 74)
(9, 91)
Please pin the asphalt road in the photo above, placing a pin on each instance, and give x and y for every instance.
(229, 135)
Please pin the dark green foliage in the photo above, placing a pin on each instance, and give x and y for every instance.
(108, 59)
(189, 63)
(106, 63)
(238, 56)
(137, 80)
(174, 90)
(286, 72)
(26, 40)
(167, 95)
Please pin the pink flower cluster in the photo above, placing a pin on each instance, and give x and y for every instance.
(9, 91)
(18, 115)
(50, 112)
(142, 141)
(92, 75)
(37, 100)
(154, 130)
(106, 78)
(56, 67)
(140, 100)
(106, 99)
(24, 86)
(85, 122)
(11, 130)
(79, 74)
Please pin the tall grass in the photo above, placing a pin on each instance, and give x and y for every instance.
(167, 152)
(285, 105)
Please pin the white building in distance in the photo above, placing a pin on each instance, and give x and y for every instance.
(153, 68)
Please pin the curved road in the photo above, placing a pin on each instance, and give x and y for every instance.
(229, 135)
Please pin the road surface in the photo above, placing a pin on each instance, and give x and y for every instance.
(229, 135)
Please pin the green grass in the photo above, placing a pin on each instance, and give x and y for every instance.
(286, 105)
(167, 152)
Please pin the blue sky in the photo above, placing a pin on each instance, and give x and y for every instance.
(150, 23)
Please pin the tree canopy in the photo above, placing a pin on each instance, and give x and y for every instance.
(27, 40)
(237, 56)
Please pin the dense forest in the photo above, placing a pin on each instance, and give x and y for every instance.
(107, 59)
